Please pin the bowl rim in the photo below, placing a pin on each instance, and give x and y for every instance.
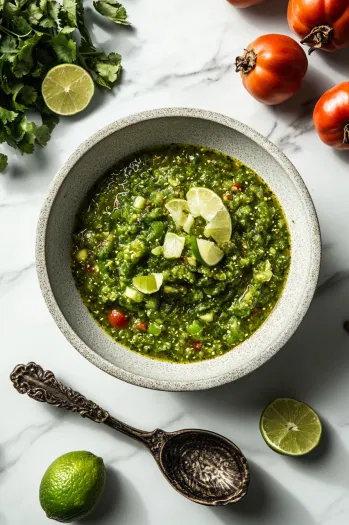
(44, 281)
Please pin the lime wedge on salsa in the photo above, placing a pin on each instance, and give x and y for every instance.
(67, 89)
(290, 427)
(179, 210)
(220, 227)
(206, 252)
(204, 202)
(148, 284)
(173, 246)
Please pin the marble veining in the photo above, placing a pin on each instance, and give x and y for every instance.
(181, 54)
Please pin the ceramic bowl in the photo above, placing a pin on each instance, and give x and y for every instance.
(99, 153)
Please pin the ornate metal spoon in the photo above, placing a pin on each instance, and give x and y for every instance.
(202, 466)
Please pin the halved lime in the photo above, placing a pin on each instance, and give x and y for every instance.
(179, 210)
(67, 89)
(148, 284)
(220, 227)
(290, 427)
(173, 246)
(206, 252)
(204, 202)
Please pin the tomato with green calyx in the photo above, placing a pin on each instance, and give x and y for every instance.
(245, 3)
(272, 68)
(321, 24)
(331, 117)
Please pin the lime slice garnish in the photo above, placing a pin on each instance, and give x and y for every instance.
(179, 210)
(206, 252)
(189, 223)
(173, 246)
(67, 89)
(220, 227)
(204, 202)
(148, 284)
(290, 427)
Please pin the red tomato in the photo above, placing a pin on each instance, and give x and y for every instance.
(272, 68)
(331, 117)
(322, 24)
(197, 345)
(117, 319)
(142, 327)
(245, 3)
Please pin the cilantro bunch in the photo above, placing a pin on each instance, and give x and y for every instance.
(36, 35)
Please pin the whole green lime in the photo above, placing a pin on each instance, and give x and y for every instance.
(72, 486)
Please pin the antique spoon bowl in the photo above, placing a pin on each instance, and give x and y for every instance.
(205, 467)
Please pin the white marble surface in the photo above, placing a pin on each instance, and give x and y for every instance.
(181, 53)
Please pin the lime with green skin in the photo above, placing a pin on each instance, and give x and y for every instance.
(290, 427)
(72, 486)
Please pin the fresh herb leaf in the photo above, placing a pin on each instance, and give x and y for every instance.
(8, 48)
(108, 69)
(112, 10)
(43, 135)
(34, 13)
(65, 48)
(20, 26)
(69, 7)
(23, 61)
(3, 162)
(7, 116)
(23, 97)
(66, 30)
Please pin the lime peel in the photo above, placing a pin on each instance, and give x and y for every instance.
(206, 252)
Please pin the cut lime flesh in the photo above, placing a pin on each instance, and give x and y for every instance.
(290, 427)
(206, 252)
(178, 209)
(67, 89)
(173, 246)
(148, 284)
(204, 202)
(220, 227)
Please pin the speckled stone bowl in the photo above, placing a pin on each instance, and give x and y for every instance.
(99, 153)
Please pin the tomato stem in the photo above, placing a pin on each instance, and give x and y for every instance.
(318, 37)
(346, 134)
(246, 62)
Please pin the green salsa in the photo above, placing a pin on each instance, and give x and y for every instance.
(198, 311)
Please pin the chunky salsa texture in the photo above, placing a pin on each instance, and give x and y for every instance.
(199, 312)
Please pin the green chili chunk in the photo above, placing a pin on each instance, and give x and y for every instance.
(199, 312)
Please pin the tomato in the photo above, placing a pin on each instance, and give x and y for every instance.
(117, 319)
(142, 327)
(272, 68)
(245, 3)
(331, 117)
(322, 24)
(197, 345)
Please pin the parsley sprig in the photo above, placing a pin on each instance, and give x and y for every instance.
(36, 35)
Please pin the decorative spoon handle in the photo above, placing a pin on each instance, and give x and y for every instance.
(43, 386)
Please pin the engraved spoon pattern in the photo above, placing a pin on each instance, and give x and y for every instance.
(201, 465)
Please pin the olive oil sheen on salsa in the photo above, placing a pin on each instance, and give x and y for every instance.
(180, 253)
